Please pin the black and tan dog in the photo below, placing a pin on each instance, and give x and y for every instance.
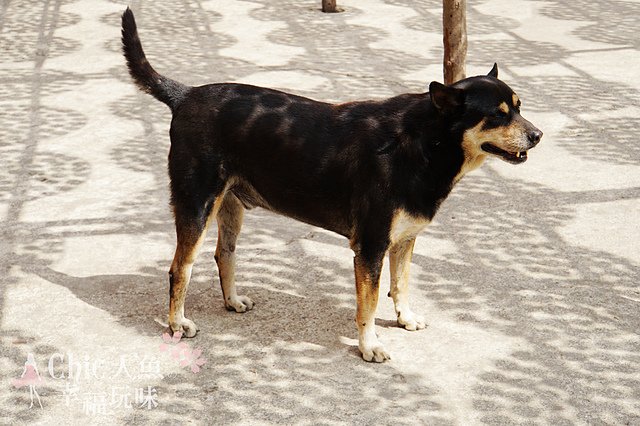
(373, 171)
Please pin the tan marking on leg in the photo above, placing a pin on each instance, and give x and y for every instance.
(399, 265)
(189, 241)
(405, 226)
(230, 219)
(367, 283)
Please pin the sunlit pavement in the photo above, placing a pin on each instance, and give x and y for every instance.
(529, 276)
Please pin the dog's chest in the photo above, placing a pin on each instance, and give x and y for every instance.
(405, 226)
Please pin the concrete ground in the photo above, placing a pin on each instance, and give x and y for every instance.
(529, 277)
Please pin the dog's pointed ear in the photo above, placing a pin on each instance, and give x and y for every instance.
(494, 71)
(445, 97)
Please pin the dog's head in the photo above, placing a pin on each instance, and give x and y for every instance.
(487, 112)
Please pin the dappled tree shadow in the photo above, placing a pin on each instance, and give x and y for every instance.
(573, 307)
(612, 22)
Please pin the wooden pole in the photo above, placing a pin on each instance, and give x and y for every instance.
(454, 29)
(329, 6)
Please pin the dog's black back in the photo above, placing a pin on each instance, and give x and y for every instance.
(323, 164)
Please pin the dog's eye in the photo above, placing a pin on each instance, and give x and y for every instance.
(499, 113)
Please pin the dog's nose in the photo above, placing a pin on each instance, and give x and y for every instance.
(535, 136)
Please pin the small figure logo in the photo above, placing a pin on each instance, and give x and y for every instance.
(30, 377)
(182, 352)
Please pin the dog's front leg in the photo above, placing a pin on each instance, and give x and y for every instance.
(367, 271)
(399, 263)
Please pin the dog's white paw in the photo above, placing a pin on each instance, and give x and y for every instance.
(411, 321)
(239, 304)
(187, 327)
(369, 345)
(374, 353)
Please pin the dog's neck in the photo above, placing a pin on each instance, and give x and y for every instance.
(435, 151)
(471, 162)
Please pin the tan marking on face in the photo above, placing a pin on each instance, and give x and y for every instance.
(474, 156)
(511, 138)
(515, 99)
(405, 226)
(504, 107)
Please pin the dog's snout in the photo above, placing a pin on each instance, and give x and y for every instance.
(535, 136)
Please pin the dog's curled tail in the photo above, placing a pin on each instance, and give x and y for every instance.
(148, 80)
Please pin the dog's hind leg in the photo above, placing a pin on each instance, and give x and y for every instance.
(230, 218)
(191, 228)
(399, 263)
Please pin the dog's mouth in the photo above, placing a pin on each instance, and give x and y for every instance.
(510, 157)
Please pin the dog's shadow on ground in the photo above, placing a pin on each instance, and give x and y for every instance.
(287, 285)
(277, 352)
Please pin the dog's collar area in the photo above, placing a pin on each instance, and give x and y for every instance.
(511, 157)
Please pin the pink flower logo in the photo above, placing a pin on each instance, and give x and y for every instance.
(30, 377)
(181, 352)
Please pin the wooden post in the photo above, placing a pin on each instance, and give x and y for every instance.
(454, 28)
(329, 6)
